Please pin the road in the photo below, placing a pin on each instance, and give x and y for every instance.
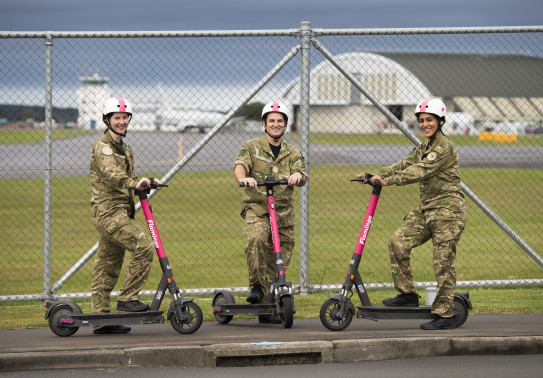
(156, 151)
(451, 367)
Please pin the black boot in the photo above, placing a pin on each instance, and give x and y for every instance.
(269, 319)
(112, 329)
(439, 323)
(132, 306)
(256, 295)
(403, 300)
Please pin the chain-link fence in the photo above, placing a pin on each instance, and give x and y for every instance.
(197, 97)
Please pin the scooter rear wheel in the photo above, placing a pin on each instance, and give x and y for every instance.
(460, 310)
(193, 320)
(329, 316)
(287, 308)
(59, 313)
(221, 299)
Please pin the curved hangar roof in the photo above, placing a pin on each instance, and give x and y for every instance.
(404, 78)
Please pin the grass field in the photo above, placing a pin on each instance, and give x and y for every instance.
(33, 136)
(201, 230)
(198, 219)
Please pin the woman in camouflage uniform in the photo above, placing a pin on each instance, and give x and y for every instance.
(258, 158)
(441, 215)
(113, 184)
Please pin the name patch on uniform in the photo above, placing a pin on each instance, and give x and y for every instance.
(107, 151)
(432, 156)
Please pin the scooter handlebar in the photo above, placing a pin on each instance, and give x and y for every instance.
(154, 184)
(270, 181)
(366, 180)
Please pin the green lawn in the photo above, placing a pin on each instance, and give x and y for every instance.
(198, 219)
(35, 136)
(400, 139)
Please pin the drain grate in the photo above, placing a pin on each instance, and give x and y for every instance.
(270, 359)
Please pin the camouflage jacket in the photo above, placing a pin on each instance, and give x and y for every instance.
(257, 158)
(437, 171)
(112, 178)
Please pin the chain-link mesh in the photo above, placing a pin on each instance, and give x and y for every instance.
(183, 87)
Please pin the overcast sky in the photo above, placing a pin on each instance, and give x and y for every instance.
(156, 15)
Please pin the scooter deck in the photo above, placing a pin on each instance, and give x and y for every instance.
(245, 309)
(387, 312)
(119, 318)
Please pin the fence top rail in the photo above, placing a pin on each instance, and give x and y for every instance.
(268, 33)
(152, 34)
(449, 30)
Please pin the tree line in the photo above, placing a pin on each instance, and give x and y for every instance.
(22, 113)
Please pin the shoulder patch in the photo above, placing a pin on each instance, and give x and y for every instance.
(107, 150)
(439, 149)
(432, 156)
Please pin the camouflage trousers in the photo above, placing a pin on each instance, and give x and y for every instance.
(259, 248)
(417, 228)
(109, 261)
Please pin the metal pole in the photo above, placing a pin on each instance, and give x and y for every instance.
(417, 142)
(48, 164)
(305, 42)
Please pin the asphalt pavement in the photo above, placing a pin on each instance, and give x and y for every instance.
(248, 343)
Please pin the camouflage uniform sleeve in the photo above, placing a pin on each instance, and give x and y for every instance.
(133, 175)
(244, 157)
(429, 165)
(298, 164)
(386, 172)
(112, 171)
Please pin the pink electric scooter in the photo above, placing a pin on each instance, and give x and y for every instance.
(337, 312)
(65, 317)
(280, 301)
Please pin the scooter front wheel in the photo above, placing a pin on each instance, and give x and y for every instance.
(329, 316)
(287, 308)
(193, 318)
(59, 320)
(221, 299)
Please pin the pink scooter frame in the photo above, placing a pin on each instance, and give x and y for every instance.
(65, 317)
(337, 312)
(280, 299)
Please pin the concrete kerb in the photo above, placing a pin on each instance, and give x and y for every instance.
(246, 354)
(389, 349)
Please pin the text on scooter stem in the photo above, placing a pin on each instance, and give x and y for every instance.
(366, 229)
(153, 233)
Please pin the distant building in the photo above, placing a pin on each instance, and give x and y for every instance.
(482, 89)
(91, 97)
(161, 115)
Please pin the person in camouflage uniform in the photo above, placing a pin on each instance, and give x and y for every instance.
(257, 159)
(113, 185)
(441, 215)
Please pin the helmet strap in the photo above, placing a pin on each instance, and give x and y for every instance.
(275, 139)
(113, 131)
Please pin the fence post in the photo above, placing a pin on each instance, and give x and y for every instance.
(305, 43)
(48, 106)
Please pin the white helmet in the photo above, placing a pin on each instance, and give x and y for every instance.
(433, 106)
(117, 105)
(277, 107)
